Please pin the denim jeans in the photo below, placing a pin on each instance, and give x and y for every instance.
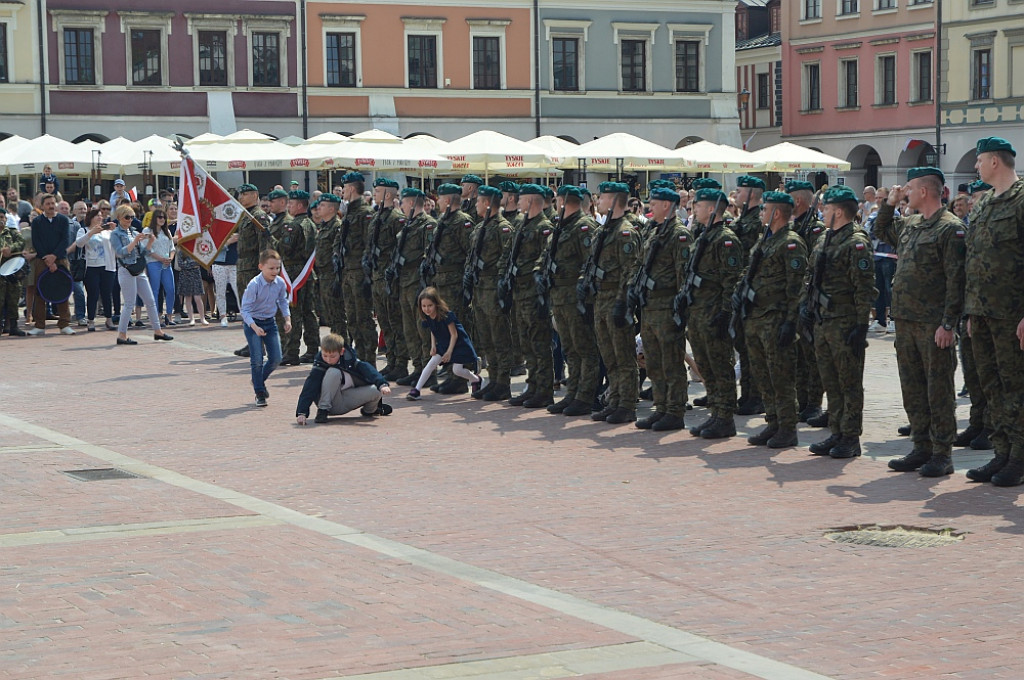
(78, 293)
(885, 268)
(272, 341)
(99, 286)
(161, 276)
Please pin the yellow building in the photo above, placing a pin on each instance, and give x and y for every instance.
(19, 68)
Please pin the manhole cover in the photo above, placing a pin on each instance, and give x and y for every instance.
(100, 474)
(894, 536)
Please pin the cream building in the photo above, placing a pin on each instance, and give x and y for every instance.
(19, 60)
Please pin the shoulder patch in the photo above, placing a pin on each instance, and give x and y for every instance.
(627, 232)
(816, 230)
(682, 238)
(628, 248)
(584, 228)
(791, 246)
(430, 225)
(858, 246)
(469, 225)
(546, 232)
(727, 244)
(796, 263)
(959, 233)
(732, 261)
(863, 264)
(505, 230)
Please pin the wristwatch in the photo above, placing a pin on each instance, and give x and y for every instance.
(947, 326)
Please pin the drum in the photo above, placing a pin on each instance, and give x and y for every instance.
(55, 287)
(15, 269)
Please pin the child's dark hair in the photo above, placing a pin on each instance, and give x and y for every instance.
(269, 254)
(430, 293)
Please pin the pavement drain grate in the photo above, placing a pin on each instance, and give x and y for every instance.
(100, 474)
(894, 536)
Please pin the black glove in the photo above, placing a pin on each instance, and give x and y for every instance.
(337, 263)
(787, 333)
(720, 322)
(619, 314)
(336, 288)
(857, 337)
(679, 310)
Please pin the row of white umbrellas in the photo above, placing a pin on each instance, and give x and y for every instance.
(485, 152)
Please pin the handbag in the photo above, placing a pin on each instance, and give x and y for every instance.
(77, 266)
(137, 267)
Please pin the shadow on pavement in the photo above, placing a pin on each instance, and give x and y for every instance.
(894, 486)
(980, 499)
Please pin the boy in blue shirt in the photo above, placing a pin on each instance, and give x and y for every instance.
(264, 296)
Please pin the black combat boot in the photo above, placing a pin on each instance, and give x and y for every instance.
(720, 428)
(751, 407)
(455, 385)
(648, 422)
(986, 471)
(669, 423)
(762, 437)
(446, 382)
(561, 404)
(408, 379)
(539, 401)
(621, 415)
(13, 330)
(1012, 473)
(982, 442)
(820, 420)
(964, 439)
(910, 462)
(848, 447)
(397, 373)
(939, 465)
(823, 447)
(784, 439)
(499, 393)
(808, 412)
(701, 401)
(603, 413)
(521, 398)
(483, 391)
(577, 407)
(903, 430)
(697, 429)
(244, 352)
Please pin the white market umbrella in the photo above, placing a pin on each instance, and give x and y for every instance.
(375, 135)
(491, 152)
(636, 154)
(247, 150)
(62, 156)
(9, 146)
(563, 154)
(326, 138)
(707, 156)
(205, 138)
(158, 151)
(788, 156)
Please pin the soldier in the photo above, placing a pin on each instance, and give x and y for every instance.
(409, 253)
(532, 325)
(808, 382)
(567, 250)
(253, 238)
(510, 203)
(549, 203)
(747, 227)
(296, 244)
(778, 266)
(716, 261)
(836, 306)
(614, 256)
(489, 242)
(11, 245)
(927, 300)
(349, 251)
(470, 187)
(664, 257)
(994, 299)
(330, 287)
(380, 248)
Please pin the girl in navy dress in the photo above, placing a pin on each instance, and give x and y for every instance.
(449, 342)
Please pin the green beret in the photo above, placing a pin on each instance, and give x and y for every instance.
(489, 192)
(3, 212)
(352, 177)
(778, 197)
(315, 204)
(277, 193)
(449, 189)
(613, 188)
(564, 189)
(750, 181)
(796, 185)
(995, 144)
(713, 195)
(661, 184)
(385, 182)
(914, 173)
(706, 183)
(471, 179)
(548, 191)
(664, 194)
(840, 194)
(531, 190)
(413, 192)
(247, 187)
(508, 187)
(977, 186)
(569, 190)
(329, 198)
(586, 192)
(298, 195)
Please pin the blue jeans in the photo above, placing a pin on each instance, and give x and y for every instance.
(78, 292)
(161, 276)
(885, 268)
(272, 341)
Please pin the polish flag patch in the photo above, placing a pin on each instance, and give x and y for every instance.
(960, 233)
(626, 232)
(682, 238)
(727, 244)
(505, 230)
(469, 225)
(584, 228)
(859, 246)
(546, 232)
(791, 246)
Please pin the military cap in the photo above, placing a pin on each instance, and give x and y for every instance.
(329, 198)
(531, 190)
(664, 194)
(471, 179)
(548, 191)
(778, 197)
(385, 182)
(508, 187)
(314, 204)
(247, 187)
(294, 183)
(352, 177)
(706, 183)
(489, 192)
(277, 193)
(449, 189)
(750, 181)
(412, 192)
(995, 144)
(298, 195)
(661, 184)
(713, 195)
(977, 186)
(796, 185)
(564, 189)
(570, 190)
(613, 188)
(839, 194)
(586, 192)
(914, 173)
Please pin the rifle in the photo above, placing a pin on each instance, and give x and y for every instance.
(397, 259)
(693, 280)
(475, 264)
(744, 296)
(428, 268)
(506, 284)
(811, 212)
(642, 283)
(371, 258)
(549, 267)
(339, 255)
(587, 284)
(816, 300)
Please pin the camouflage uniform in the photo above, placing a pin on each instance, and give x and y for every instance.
(417, 338)
(295, 241)
(748, 229)
(331, 305)
(389, 316)
(808, 379)
(253, 239)
(533, 329)
(455, 233)
(10, 289)
(494, 333)
(356, 298)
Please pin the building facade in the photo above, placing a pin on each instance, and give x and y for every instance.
(759, 72)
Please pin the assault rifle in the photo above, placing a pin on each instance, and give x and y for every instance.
(744, 296)
(642, 283)
(817, 300)
(428, 268)
(371, 258)
(549, 267)
(592, 273)
(506, 284)
(693, 280)
(397, 259)
(475, 263)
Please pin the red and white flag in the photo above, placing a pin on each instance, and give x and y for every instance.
(133, 194)
(300, 280)
(207, 213)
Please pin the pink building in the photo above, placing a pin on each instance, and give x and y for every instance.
(859, 83)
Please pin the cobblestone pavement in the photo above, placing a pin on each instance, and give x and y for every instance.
(456, 539)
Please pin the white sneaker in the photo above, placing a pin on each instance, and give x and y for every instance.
(36, 331)
(67, 330)
(876, 327)
(891, 328)
(224, 322)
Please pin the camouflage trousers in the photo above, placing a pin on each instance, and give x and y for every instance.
(1000, 364)
(774, 369)
(10, 292)
(303, 321)
(359, 313)
(748, 378)
(842, 375)
(390, 320)
(333, 308)
(979, 405)
(579, 345)
(808, 379)
(534, 332)
(494, 335)
(715, 360)
(929, 392)
(665, 354)
(417, 338)
(618, 349)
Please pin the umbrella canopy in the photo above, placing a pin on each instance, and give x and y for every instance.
(494, 153)
(706, 156)
(326, 138)
(249, 150)
(635, 153)
(63, 157)
(375, 135)
(563, 154)
(788, 156)
(205, 138)
(158, 151)
(9, 146)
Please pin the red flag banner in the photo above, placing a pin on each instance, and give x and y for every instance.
(207, 214)
(300, 280)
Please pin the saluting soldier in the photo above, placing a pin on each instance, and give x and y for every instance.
(330, 286)
(253, 238)
(747, 227)
(780, 256)
(349, 250)
(470, 188)
(927, 302)
(994, 299)
(844, 300)
(381, 243)
(296, 238)
(412, 246)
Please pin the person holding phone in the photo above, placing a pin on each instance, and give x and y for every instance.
(129, 245)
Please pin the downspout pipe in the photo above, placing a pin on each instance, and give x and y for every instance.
(41, 32)
(536, 67)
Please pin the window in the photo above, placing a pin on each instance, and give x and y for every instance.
(812, 87)
(634, 66)
(885, 4)
(213, 58)
(981, 79)
(775, 18)
(422, 61)
(812, 9)
(79, 57)
(687, 66)
(146, 57)
(341, 60)
(763, 91)
(486, 63)
(4, 75)
(565, 60)
(922, 77)
(741, 23)
(886, 80)
(848, 84)
(849, 6)
(266, 60)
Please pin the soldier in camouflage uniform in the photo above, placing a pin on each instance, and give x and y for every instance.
(253, 238)
(780, 258)
(550, 211)
(510, 211)
(719, 266)
(349, 250)
(11, 245)
(845, 298)
(994, 299)
(327, 235)
(927, 302)
(532, 325)
(618, 243)
(296, 239)
(574, 233)
(489, 240)
(808, 381)
(666, 251)
(747, 228)
(470, 187)
(410, 255)
(381, 242)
